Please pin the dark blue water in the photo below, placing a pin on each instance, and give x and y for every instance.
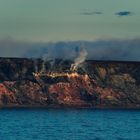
(69, 124)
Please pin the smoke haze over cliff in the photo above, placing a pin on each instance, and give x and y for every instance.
(99, 50)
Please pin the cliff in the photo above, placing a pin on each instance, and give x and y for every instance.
(99, 84)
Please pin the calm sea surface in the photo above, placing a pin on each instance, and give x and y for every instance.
(69, 124)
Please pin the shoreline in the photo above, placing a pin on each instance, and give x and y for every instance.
(69, 107)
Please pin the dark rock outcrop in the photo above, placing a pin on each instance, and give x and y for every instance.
(101, 84)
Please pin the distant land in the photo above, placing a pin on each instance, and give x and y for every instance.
(65, 83)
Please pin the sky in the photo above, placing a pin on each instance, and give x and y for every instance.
(69, 20)
(108, 29)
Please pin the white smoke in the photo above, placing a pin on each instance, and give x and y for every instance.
(36, 66)
(80, 59)
(44, 59)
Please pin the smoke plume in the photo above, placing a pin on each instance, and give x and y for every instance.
(80, 59)
(109, 49)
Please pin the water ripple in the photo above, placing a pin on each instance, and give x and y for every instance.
(69, 124)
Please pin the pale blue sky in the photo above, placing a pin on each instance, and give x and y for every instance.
(60, 20)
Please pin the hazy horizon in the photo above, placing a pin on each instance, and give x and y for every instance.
(30, 25)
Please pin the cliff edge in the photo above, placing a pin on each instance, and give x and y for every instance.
(53, 83)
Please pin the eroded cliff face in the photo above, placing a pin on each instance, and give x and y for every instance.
(27, 82)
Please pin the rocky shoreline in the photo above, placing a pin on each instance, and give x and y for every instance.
(95, 84)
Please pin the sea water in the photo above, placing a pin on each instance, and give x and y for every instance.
(69, 124)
